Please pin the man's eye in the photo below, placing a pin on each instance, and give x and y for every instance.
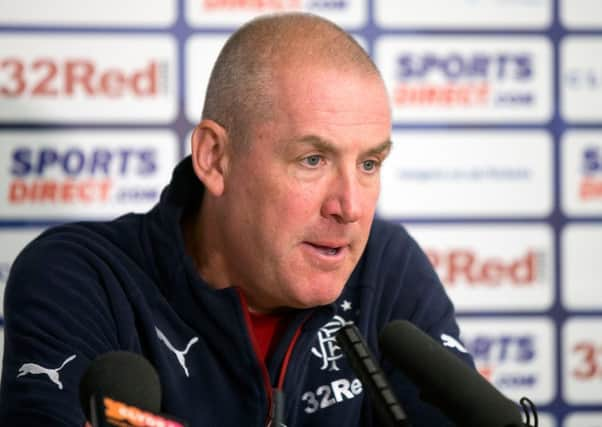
(369, 165)
(313, 160)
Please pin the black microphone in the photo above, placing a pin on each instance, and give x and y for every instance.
(445, 380)
(122, 388)
(390, 412)
(277, 408)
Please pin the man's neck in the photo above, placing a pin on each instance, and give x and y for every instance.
(203, 244)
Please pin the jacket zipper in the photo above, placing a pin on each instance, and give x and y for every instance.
(264, 371)
(280, 401)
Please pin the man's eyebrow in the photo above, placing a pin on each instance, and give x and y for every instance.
(382, 148)
(318, 143)
(327, 146)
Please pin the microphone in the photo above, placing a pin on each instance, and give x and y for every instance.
(277, 408)
(445, 380)
(122, 388)
(372, 377)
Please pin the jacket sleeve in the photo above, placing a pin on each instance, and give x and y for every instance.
(57, 319)
(417, 295)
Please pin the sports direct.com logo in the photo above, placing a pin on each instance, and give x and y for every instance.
(483, 79)
(272, 5)
(89, 174)
(591, 182)
(516, 355)
(281, 5)
(582, 172)
(233, 13)
(490, 351)
(91, 78)
(97, 168)
(461, 79)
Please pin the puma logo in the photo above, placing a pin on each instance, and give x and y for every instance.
(53, 374)
(180, 354)
(449, 341)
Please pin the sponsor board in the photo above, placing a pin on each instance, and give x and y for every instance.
(492, 267)
(454, 14)
(583, 419)
(131, 13)
(545, 420)
(581, 78)
(186, 143)
(83, 174)
(87, 78)
(515, 354)
(582, 270)
(467, 173)
(579, 14)
(582, 173)
(349, 14)
(582, 361)
(480, 79)
(201, 53)
(581, 247)
(13, 241)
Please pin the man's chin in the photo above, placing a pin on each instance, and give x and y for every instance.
(319, 298)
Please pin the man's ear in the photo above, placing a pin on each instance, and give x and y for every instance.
(209, 146)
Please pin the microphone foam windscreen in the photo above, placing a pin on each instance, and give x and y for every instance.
(445, 380)
(123, 376)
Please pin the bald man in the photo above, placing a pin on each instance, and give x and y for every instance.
(261, 248)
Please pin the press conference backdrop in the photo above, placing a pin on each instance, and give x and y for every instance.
(496, 167)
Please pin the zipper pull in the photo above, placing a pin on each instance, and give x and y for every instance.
(277, 409)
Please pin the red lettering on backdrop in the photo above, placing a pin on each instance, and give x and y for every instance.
(79, 73)
(44, 86)
(469, 94)
(465, 265)
(68, 191)
(144, 82)
(590, 188)
(75, 76)
(15, 83)
(252, 4)
(590, 363)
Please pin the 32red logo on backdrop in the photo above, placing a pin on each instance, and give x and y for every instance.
(589, 366)
(49, 77)
(465, 265)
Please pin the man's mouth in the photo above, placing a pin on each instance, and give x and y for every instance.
(326, 255)
(327, 250)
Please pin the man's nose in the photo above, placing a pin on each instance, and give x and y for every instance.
(344, 198)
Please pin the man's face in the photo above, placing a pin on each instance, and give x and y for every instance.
(299, 201)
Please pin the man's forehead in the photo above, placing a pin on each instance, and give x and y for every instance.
(327, 87)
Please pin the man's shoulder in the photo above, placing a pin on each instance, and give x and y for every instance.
(392, 255)
(82, 235)
(382, 228)
(390, 238)
(73, 249)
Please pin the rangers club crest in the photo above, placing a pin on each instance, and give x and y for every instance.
(327, 348)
